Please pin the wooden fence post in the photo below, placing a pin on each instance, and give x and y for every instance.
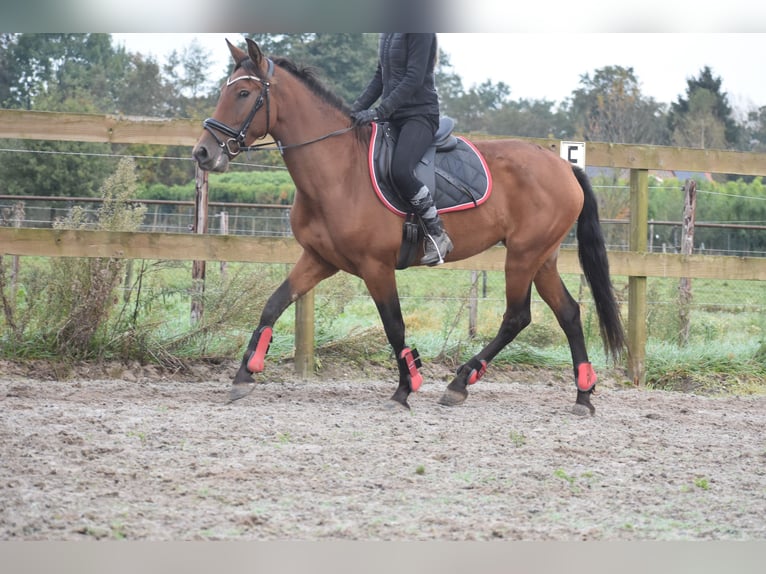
(18, 219)
(473, 304)
(639, 215)
(687, 246)
(224, 229)
(199, 226)
(304, 335)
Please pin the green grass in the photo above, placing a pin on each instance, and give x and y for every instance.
(737, 367)
(518, 439)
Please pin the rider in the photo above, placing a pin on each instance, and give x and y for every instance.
(404, 82)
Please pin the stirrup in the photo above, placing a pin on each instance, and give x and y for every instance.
(434, 256)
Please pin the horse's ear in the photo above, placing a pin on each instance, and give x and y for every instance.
(254, 52)
(237, 53)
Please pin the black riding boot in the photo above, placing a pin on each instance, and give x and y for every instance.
(437, 242)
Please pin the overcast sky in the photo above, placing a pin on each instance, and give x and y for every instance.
(549, 66)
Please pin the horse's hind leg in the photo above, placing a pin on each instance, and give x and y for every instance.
(307, 272)
(553, 291)
(517, 316)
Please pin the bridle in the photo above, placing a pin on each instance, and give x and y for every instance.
(235, 144)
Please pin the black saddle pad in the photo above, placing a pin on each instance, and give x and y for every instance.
(458, 179)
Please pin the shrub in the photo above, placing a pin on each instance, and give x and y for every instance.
(81, 291)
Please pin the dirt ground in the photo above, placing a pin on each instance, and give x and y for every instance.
(129, 452)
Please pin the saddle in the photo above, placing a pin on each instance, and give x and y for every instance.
(452, 168)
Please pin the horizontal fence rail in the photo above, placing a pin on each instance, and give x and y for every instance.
(190, 247)
(164, 215)
(20, 124)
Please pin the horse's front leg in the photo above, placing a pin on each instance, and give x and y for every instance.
(382, 288)
(306, 273)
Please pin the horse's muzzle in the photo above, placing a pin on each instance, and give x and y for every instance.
(210, 158)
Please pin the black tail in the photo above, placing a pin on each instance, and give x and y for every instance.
(595, 265)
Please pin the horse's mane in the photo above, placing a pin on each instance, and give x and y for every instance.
(308, 76)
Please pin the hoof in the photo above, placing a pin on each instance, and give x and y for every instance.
(240, 390)
(452, 398)
(243, 377)
(583, 410)
(394, 405)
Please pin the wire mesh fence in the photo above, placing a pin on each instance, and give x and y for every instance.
(266, 220)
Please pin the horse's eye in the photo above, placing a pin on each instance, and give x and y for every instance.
(244, 93)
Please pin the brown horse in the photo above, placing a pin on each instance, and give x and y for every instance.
(537, 197)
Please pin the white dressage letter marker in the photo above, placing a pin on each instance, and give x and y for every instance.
(573, 152)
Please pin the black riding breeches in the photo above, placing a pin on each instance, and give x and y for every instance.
(415, 136)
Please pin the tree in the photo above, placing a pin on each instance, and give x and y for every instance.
(699, 127)
(473, 109)
(60, 72)
(610, 107)
(468, 109)
(529, 118)
(448, 83)
(142, 92)
(189, 90)
(27, 66)
(6, 69)
(756, 130)
(88, 73)
(715, 103)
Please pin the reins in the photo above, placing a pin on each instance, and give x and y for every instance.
(280, 148)
(235, 144)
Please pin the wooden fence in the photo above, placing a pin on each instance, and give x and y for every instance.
(636, 264)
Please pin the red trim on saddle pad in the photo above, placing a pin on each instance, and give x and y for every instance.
(586, 377)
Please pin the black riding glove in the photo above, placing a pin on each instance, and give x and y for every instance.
(364, 117)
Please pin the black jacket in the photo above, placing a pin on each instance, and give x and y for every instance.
(404, 79)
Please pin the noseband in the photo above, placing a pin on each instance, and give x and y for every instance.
(235, 144)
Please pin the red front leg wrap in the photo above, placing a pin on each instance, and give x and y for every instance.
(476, 374)
(412, 362)
(586, 377)
(258, 356)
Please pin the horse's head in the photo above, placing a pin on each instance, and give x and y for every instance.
(243, 112)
